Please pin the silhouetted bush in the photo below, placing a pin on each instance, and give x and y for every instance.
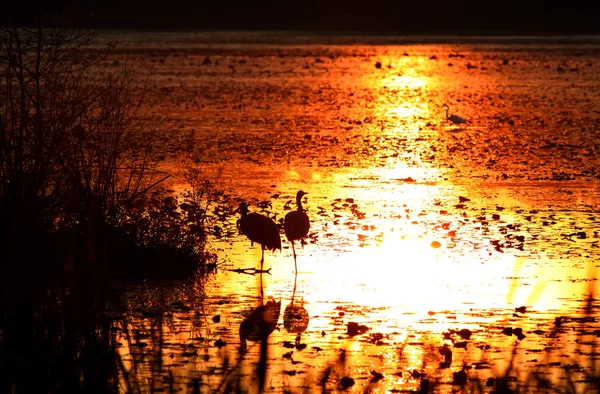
(78, 174)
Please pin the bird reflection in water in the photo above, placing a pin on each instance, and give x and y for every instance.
(260, 229)
(256, 326)
(260, 322)
(295, 316)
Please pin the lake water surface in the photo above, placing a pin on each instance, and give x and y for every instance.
(419, 228)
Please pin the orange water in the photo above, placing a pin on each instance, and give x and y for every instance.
(392, 245)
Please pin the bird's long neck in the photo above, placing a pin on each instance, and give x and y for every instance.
(447, 113)
(299, 203)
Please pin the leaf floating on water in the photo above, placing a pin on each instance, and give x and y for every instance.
(465, 333)
(346, 382)
(521, 309)
(376, 376)
(507, 331)
(460, 345)
(436, 244)
(356, 329)
(376, 338)
(518, 332)
(220, 343)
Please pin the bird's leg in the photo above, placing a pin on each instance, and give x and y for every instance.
(294, 291)
(262, 259)
(262, 293)
(294, 250)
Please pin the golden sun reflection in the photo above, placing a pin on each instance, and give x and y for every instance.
(406, 275)
(405, 111)
(400, 95)
(405, 82)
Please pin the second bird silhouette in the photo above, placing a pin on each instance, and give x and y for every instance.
(453, 118)
(296, 224)
(260, 229)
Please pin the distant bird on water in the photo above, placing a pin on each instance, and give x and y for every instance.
(260, 229)
(296, 224)
(453, 118)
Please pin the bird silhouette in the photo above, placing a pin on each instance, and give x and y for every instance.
(296, 224)
(260, 229)
(453, 118)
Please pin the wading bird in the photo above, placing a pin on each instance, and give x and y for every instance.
(453, 118)
(260, 229)
(296, 224)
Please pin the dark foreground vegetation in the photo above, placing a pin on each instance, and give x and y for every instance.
(81, 206)
(79, 184)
